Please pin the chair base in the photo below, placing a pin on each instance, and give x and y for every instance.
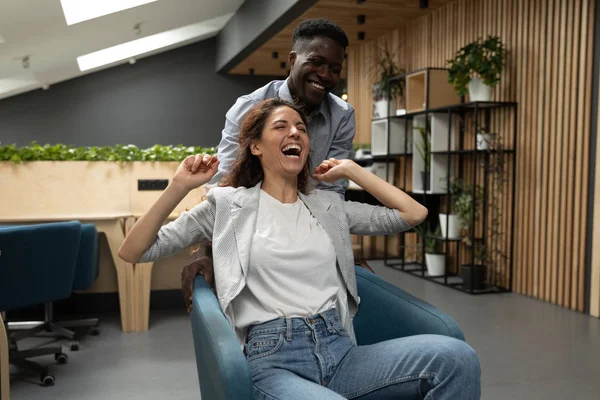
(58, 328)
(20, 360)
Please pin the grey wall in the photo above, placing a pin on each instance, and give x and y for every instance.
(172, 98)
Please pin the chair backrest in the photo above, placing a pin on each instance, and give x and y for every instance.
(223, 372)
(37, 263)
(87, 269)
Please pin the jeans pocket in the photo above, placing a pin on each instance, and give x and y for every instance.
(263, 345)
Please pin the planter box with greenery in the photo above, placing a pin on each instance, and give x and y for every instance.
(478, 66)
(60, 180)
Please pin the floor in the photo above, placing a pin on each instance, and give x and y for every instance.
(528, 350)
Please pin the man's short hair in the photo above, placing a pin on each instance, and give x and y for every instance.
(310, 28)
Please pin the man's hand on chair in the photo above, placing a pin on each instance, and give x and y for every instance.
(203, 266)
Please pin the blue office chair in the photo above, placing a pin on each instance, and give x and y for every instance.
(37, 266)
(386, 312)
(86, 272)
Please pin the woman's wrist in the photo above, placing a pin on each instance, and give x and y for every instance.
(353, 171)
(178, 188)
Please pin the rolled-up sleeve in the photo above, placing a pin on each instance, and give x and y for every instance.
(191, 227)
(341, 148)
(366, 219)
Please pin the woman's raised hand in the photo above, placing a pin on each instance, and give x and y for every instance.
(196, 171)
(333, 170)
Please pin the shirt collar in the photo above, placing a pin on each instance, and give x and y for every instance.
(285, 94)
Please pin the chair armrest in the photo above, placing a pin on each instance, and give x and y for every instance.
(223, 371)
(388, 312)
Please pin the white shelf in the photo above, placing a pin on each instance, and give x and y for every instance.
(379, 136)
(438, 174)
(439, 133)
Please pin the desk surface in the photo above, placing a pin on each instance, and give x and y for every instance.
(65, 217)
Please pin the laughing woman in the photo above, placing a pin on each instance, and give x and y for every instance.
(284, 269)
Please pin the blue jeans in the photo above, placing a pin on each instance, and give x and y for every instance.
(313, 358)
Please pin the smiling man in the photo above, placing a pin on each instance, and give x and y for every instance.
(315, 61)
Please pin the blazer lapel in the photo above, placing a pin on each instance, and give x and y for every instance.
(244, 210)
(320, 206)
(319, 209)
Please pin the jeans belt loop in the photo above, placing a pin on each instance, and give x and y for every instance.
(288, 333)
(328, 323)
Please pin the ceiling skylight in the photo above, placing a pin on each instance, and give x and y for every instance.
(128, 50)
(82, 10)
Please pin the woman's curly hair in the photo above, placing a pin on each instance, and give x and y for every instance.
(247, 170)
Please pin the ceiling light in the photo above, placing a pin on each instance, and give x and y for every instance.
(128, 50)
(344, 97)
(78, 10)
(18, 82)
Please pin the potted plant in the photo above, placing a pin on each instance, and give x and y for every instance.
(465, 199)
(478, 66)
(435, 259)
(388, 86)
(424, 148)
(473, 275)
(483, 139)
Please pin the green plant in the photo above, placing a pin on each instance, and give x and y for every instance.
(424, 146)
(482, 57)
(492, 252)
(117, 153)
(387, 88)
(430, 243)
(466, 203)
(358, 146)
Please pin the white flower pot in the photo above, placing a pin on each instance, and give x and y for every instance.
(450, 226)
(436, 264)
(478, 91)
(483, 141)
(380, 109)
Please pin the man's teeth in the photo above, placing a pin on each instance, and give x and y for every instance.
(316, 85)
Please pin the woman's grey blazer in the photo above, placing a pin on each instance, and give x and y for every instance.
(228, 219)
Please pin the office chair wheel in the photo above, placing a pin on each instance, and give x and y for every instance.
(61, 358)
(74, 345)
(47, 380)
(95, 332)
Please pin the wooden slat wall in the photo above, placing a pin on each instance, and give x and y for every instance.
(548, 72)
(595, 275)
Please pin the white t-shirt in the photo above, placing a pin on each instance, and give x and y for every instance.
(292, 270)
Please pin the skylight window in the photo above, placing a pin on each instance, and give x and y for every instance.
(128, 50)
(82, 10)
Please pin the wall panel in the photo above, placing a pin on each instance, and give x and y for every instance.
(548, 72)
